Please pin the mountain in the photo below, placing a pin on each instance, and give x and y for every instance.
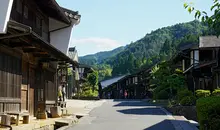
(98, 58)
(156, 46)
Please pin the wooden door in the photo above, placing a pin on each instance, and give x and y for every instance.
(24, 87)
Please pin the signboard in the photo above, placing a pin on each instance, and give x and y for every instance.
(5, 12)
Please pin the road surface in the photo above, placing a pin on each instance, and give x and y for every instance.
(125, 115)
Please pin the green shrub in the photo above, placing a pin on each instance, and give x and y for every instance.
(188, 101)
(202, 93)
(184, 93)
(163, 94)
(216, 92)
(208, 112)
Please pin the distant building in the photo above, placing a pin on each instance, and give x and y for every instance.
(106, 83)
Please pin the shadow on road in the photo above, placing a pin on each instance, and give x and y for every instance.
(164, 125)
(142, 111)
(167, 125)
(121, 100)
(133, 103)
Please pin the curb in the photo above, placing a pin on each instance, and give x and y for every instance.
(176, 125)
(170, 116)
(63, 128)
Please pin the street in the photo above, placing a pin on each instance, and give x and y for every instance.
(125, 115)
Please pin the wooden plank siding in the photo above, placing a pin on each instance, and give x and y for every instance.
(25, 85)
(50, 89)
(10, 82)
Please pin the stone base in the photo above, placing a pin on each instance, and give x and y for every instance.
(41, 115)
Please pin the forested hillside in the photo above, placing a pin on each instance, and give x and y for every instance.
(153, 47)
(97, 61)
(98, 58)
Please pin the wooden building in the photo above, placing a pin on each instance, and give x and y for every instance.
(200, 63)
(31, 66)
(136, 85)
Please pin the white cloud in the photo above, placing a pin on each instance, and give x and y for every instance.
(94, 44)
(102, 43)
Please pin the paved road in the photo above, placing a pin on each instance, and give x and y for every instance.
(125, 115)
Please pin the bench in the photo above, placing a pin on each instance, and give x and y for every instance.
(25, 116)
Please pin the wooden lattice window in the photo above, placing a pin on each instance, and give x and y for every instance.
(26, 12)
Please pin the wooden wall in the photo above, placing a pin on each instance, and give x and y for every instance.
(50, 86)
(10, 82)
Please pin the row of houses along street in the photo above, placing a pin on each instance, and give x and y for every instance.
(199, 63)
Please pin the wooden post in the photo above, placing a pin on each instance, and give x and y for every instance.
(17, 120)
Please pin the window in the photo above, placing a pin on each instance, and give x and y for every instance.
(19, 6)
(40, 96)
(26, 12)
(136, 79)
(38, 23)
(45, 30)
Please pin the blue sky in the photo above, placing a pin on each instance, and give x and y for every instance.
(107, 24)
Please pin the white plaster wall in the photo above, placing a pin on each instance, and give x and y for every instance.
(74, 56)
(5, 11)
(183, 64)
(61, 39)
(191, 57)
(55, 24)
(196, 56)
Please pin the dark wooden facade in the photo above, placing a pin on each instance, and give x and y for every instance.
(136, 85)
(201, 71)
(10, 80)
(29, 13)
(28, 64)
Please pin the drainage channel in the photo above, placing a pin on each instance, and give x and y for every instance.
(63, 125)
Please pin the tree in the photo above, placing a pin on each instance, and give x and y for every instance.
(93, 79)
(213, 20)
(166, 79)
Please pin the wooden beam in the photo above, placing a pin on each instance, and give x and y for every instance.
(41, 54)
(9, 100)
(31, 49)
(48, 59)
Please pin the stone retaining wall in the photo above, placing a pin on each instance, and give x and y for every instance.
(188, 112)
